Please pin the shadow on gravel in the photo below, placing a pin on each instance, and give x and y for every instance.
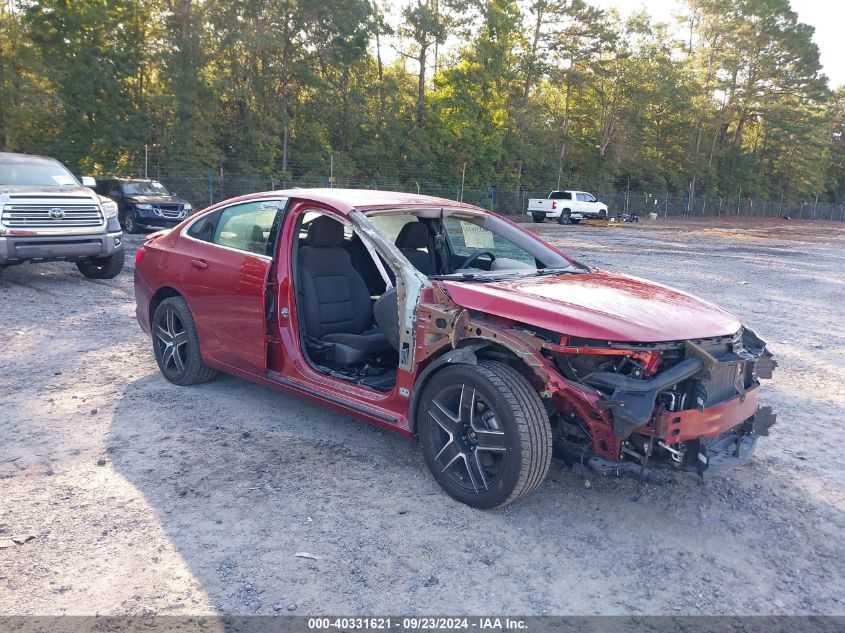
(279, 506)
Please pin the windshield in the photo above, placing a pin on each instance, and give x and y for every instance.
(36, 175)
(470, 246)
(145, 188)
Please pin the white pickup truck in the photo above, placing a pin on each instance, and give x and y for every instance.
(46, 215)
(567, 207)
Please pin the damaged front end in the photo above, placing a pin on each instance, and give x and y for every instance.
(689, 405)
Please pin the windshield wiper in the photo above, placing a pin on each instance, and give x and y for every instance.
(561, 271)
(466, 277)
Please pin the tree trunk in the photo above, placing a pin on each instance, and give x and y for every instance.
(421, 82)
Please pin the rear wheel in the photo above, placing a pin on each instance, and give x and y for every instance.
(565, 217)
(102, 267)
(484, 434)
(176, 345)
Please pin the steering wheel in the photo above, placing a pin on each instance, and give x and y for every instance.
(475, 255)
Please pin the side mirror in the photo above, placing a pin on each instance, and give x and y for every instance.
(88, 181)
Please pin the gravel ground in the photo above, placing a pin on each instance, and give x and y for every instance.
(145, 498)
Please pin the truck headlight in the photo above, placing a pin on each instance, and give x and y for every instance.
(188, 208)
(109, 208)
(144, 207)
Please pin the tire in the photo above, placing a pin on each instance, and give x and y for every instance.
(130, 225)
(538, 219)
(602, 215)
(102, 267)
(565, 217)
(176, 345)
(506, 416)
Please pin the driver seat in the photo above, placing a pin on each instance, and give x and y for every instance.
(335, 303)
(412, 237)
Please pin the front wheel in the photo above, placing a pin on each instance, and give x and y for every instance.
(130, 224)
(102, 267)
(484, 433)
(602, 215)
(176, 345)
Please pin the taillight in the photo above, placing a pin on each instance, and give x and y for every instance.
(139, 254)
(554, 204)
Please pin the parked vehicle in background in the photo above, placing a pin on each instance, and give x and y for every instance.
(144, 204)
(567, 207)
(490, 346)
(46, 214)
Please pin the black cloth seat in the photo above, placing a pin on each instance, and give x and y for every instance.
(335, 304)
(413, 236)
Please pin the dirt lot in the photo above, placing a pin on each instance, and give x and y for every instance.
(143, 497)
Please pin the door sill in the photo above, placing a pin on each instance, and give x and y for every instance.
(329, 397)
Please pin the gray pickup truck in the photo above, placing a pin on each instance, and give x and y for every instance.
(46, 214)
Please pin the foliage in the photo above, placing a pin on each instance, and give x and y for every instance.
(505, 94)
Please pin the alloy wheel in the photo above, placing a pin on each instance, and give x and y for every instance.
(468, 440)
(172, 341)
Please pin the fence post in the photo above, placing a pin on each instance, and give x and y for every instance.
(210, 188)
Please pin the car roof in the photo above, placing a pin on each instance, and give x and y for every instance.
(346, 200)
(10, 158)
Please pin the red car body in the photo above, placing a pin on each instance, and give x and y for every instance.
(248, 324)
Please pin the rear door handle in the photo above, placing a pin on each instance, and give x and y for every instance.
(199, 263)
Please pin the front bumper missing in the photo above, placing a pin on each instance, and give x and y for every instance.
(729, 450)
(715, 453)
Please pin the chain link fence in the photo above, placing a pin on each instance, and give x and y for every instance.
(203, 189)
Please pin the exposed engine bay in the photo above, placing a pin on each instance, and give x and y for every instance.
(691, 405)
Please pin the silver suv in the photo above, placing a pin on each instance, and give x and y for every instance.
(47, 215)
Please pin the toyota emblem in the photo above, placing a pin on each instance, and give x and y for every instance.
(56, 213)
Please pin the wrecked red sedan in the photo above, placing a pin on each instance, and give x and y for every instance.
(450, 324)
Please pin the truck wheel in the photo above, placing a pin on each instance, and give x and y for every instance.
(565, 217)
(484, 433)
(538, 219)
(130, 225)
(102, 267)
(602, 215)
(176, 345)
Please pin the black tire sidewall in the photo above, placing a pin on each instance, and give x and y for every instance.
(509, 477)
(130, 223)
(107, 267)
(564, 217)
(193, 355)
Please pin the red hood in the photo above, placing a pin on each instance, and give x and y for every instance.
(598, 305)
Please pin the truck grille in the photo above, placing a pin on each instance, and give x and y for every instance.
(723, 382)
(39, 216)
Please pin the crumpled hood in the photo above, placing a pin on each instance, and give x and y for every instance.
(155, 199)
(598, 305)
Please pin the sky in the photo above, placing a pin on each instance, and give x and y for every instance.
(826, 16)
